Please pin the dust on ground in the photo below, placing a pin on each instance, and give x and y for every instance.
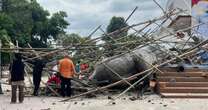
(101, 102)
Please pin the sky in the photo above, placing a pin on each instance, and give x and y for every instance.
(85, 15)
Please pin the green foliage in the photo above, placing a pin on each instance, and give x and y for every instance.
(70, 39)
(58, 24)
(84, 52)
(27, 22)
(116, 23)
(5, 58)
(20, 14)
(46, 28)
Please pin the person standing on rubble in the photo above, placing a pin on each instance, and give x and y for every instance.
(67, 72)
(38, 66)
(17, 78)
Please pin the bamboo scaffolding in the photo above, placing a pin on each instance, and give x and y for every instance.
(117, 31)
(134, 84)
(138, 74)
(117, 74)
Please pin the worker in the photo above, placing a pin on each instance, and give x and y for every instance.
(54, 69)
(39, 64)
(17, 78)
(77, 68)
(53, 82)
(67, 72)
(1, 91)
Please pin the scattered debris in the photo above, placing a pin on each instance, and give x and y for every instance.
(53, 103)
(113, 103)
(132, 98)
(46, 109)
(165, 105)
(109, 97)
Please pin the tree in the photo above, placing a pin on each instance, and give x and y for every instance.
(5, 24)
(20, 14)
(5, 57)
(70, 39)
(31, 23)
(116, 23)
(27, 22)
(46, 28)
(83, 52)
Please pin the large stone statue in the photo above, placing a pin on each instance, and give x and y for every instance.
(124, 65)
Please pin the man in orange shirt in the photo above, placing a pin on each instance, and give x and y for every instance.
(67, 72)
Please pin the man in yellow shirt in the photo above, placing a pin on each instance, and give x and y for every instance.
(67, 72)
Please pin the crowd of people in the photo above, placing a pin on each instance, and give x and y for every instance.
(62, 75)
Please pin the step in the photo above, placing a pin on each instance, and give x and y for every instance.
(183, 79)
(174, 69)
(184, 74)
(184, 95)
(184, 84)
(184, 90)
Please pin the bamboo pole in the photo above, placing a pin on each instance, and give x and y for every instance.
(131, 14)
(137, 82)
(41, 79)
(117, 74)
(117, 31)
(51, 89)
(134, 76)
(129, 51)
(28, 76)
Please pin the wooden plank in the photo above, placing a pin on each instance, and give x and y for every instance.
(184, 95)
(174, 69)
(184, 84)
(184, 90)
(184, 74)
(182, 79)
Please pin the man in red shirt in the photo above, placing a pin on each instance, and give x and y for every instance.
(67, 71)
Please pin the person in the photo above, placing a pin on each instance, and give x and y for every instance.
(78, 70)
(84, 66)
(54, 82)
(17, 78)
(67, 72)
(54, 69)
(1, 91)
(39, 64)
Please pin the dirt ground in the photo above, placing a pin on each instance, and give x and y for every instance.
(152, 102)
(101, 102)
(149, 102)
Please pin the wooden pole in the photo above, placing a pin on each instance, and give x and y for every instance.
(138, 74)
(116, 31)
(51, 89)
(137, 82)
(1, 92)
(117, 74)
(42, 80)
(28, 76)
(131, 14)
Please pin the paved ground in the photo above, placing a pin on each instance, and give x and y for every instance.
(152, 102)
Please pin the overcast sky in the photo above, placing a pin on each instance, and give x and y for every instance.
(86, 15)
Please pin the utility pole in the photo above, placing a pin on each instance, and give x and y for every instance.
(1, 92)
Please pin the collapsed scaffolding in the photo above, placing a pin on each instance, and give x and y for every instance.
(151, 48)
